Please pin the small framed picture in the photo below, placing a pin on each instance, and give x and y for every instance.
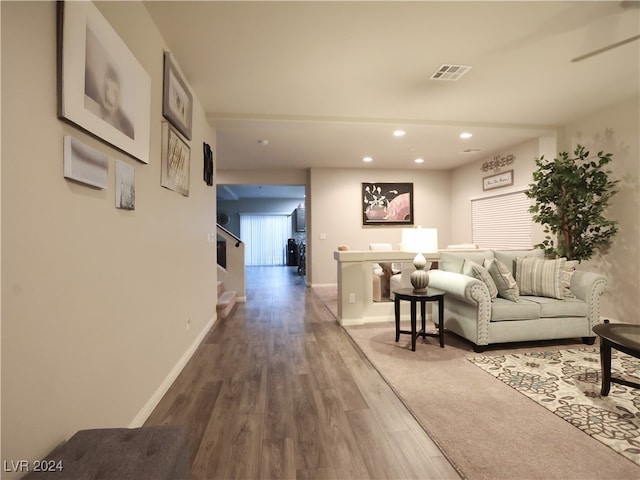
(502, 179)
(177, 103)
(84, 164)
(102, 88)
(176, 160)
(125, 186)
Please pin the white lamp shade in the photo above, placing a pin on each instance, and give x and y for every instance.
(420, 240)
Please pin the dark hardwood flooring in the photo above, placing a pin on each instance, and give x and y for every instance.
(278, 390)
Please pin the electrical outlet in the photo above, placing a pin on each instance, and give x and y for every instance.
(188, 322)
(352, 298)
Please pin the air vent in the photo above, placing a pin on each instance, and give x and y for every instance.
(451, 73)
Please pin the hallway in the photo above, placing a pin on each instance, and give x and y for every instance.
(278, 390)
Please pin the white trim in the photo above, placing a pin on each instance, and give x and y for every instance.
(283, 214)
(314, 285)
(153, 402)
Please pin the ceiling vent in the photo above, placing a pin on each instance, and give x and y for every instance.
(450, 72)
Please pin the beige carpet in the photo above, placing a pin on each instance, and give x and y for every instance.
(567, 382)
(486, 429)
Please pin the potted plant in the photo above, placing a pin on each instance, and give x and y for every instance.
(571, 195)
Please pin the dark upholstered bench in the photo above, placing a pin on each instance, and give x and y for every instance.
(147, 453)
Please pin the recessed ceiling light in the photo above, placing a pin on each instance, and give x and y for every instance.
(399, 133)
(466, 135)
(419, 160)
(367, 159)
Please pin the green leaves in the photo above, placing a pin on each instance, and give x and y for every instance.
(571, 195)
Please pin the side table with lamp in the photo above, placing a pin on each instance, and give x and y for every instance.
(419, 240)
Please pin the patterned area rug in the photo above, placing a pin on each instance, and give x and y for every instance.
(567, 382)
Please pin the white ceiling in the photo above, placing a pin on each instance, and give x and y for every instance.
(326, 82)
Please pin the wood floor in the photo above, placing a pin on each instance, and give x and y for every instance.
(278, 390)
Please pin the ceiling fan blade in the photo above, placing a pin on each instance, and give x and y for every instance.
(604, 49)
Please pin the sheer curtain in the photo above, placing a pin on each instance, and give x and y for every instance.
(265, 238)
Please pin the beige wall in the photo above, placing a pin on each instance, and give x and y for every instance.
(336, 215)
(466, 183)
(617, 130)
(264, 177)
(95, 300)
(614, 130)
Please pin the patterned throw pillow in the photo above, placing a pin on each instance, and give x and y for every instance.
(472, 269)
(542, 278)
(507, 286)
(567, 272)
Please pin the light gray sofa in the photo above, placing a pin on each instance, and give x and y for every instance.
(472, 313)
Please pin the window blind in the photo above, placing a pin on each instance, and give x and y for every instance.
(265, 238)
(502, 221)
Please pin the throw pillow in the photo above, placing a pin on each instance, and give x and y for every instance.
(507, 286)
(567, 272)
(472, 269)
(542, 278)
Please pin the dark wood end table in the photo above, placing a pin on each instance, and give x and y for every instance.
(624, 337)
(431, 295)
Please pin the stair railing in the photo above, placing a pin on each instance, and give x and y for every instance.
(230, 253)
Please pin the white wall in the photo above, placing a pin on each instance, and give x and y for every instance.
(617, 130)
(335, 210)
(94, 299)
(289, 176)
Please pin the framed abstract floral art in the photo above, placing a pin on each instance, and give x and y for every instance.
(387, 203)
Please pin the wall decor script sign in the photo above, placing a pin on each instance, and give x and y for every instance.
(498, 180)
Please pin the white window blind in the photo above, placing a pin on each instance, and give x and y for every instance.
(502, 221)
(265, 238)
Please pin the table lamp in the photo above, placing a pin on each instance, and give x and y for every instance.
(420, 240)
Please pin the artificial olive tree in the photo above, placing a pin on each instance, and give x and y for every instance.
(571, 195)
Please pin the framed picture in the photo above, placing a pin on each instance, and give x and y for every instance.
(502, 179)
(177, 103)
(125, 186)
(102, 88)
(84, 164)
(387, 203)
(207, 171)
(176, 160)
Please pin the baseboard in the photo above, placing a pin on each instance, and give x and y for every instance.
(314, 285)
(152, 403)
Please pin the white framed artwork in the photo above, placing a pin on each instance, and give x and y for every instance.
(102, 88)
(125, 186)
(84, 164)
(176, 161)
